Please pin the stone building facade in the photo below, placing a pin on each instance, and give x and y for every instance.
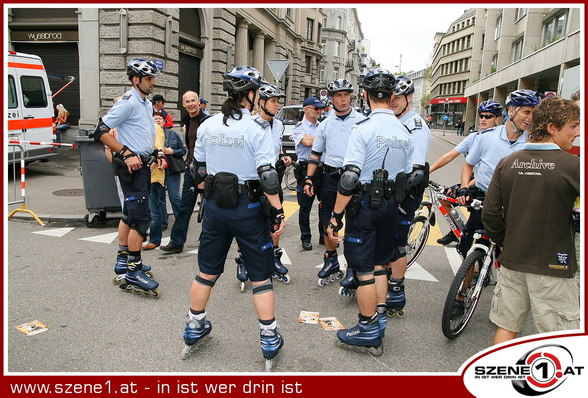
(192, 46)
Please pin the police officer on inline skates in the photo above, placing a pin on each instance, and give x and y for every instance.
(303, 136)
(416, 184)
(233, 162)
(133, 153)
(331, 140)
(379, 151)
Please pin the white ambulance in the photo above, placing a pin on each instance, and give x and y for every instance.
(29, 107)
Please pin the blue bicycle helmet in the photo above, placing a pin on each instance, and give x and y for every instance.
(491, 106)
(379, 82)
(523, 98)
(404, 86)
(242, 78)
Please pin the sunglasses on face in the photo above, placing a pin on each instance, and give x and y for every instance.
(487, 116)
(314, 108)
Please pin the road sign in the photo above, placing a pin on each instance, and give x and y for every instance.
(278, 67)
(323, 93)
(445, 117)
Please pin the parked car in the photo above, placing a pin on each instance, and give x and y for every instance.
(290, 115)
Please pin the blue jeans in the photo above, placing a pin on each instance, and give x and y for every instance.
(172, 185)
(187, 203)
(155, 229)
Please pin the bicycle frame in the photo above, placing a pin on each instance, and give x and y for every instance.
(436, 196)
(484, 244)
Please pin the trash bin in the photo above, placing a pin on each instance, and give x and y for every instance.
(99, 186)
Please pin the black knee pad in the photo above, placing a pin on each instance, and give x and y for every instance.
(265, 287)
(141, 228)
(205, 282)
(366, 282)
(381, 272)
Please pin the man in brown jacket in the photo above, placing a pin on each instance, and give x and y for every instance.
(527, 212)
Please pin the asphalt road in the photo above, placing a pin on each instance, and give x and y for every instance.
(60, 275)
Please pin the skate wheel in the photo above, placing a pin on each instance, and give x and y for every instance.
(152, 293)
(400, 314)
(322, 282)
(242, 287)
(286, 278)
(185, 351)
(274, 276)
(332, 278)
(339, 275)
(342, 291)
(118, 279)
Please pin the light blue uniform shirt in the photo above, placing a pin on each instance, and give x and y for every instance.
(300, 130)
(370, 140)
(132, 117)
(239, 148)
(487, 151)
(333, 135)
(421, 136)
(466, 144)
(277, 132)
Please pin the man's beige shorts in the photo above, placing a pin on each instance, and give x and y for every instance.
(553, 302)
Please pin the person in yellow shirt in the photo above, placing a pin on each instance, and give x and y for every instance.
(157, 188)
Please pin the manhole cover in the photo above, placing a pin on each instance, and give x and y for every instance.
(69, 192)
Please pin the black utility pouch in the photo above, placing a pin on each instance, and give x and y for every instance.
(352, 207)
(300, 170)
(281, 169)
(378, 187)
(253, 190)
(425, 181)
(400, 187)
(121, 170)
(226, 189)
(208, 187)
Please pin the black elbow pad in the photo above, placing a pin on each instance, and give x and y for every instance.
(268, 179)
(100, 129)
(349, 181)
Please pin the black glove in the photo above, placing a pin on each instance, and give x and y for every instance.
(463, 191)
(277, 215)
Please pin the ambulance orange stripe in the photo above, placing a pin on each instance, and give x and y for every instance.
(25, 66)
(29, 123)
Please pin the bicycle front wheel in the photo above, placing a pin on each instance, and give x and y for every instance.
(462, 298)
(418, 234)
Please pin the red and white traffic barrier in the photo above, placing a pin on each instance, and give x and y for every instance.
(23, 186)
(42, 143)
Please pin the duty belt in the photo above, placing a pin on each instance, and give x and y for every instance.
(331, 169)
(389, 187)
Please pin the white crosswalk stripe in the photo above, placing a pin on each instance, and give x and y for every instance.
(57, 232)
(105, 238)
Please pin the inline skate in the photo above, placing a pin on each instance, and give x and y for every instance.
(330, 271)
(241, 271)
(395, 299)
(280, 272)
(271, 343)
(194, 330)
(363, 337)
(138, 282)
(120, 268)
(349, 284)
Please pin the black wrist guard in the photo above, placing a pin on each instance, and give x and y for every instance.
(463, 191)
(339, 218)
(277, 215)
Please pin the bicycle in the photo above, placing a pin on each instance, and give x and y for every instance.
(477, 271)
(424, 218)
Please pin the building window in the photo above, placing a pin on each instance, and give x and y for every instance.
(308, 64)
(498, 28)
(289, 13)
(521, 12)
(516, 50)
(309, 29)
(336, 73)
(339, 23)
(322, 75)
(554, 28)
(337, 51)
(494, 64)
